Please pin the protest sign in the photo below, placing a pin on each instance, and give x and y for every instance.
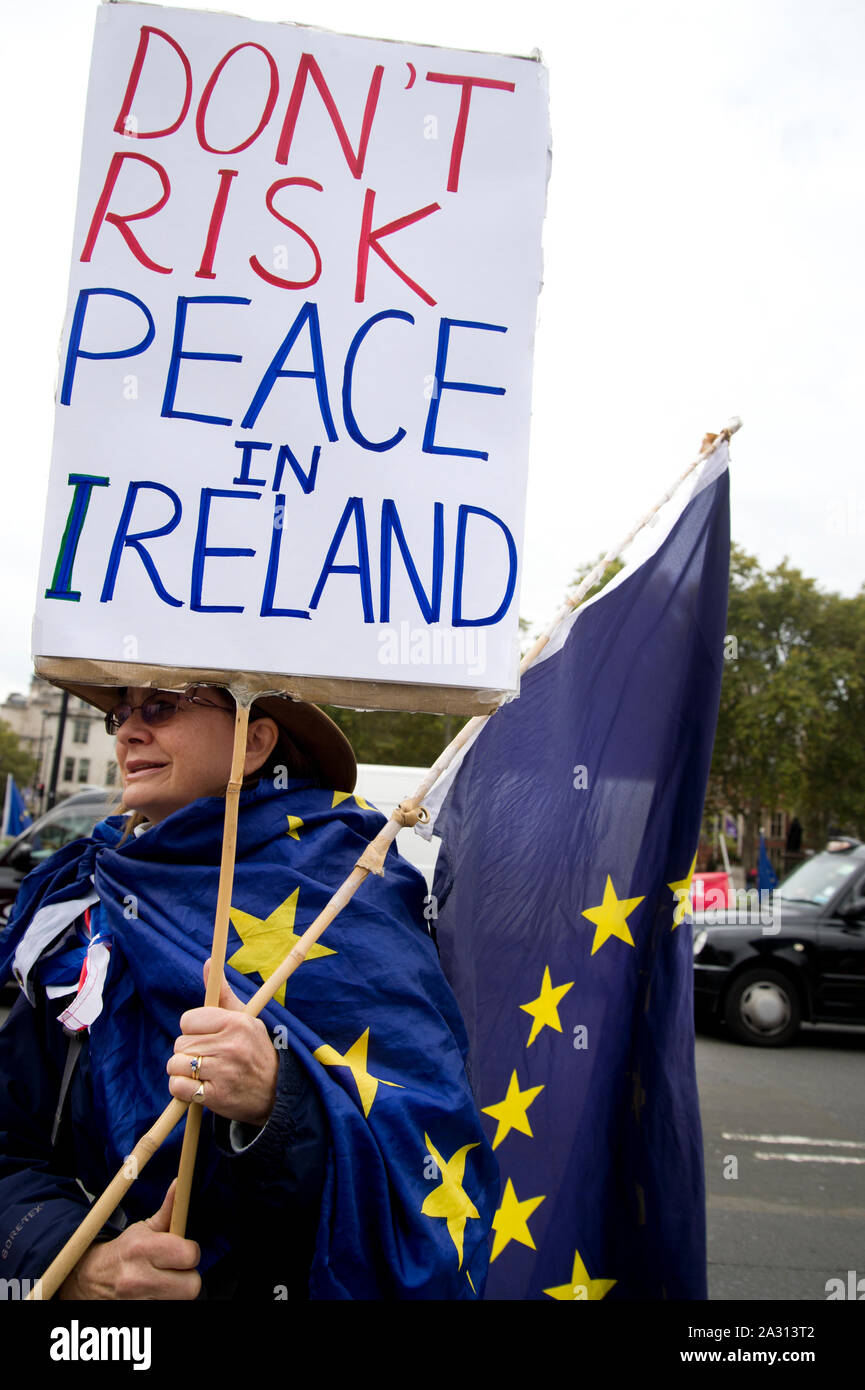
(294, 383)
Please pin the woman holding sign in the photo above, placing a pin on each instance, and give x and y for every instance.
(345, 1158)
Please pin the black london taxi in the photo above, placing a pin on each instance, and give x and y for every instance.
(765, 963)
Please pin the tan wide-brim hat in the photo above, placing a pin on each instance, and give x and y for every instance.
(314, 732)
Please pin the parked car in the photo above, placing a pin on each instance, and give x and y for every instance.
(72, 818)
(764, 966)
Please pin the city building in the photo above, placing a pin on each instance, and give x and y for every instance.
(87, 755)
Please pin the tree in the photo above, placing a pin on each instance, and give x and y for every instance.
(394, 736)
(14, 759)
(791, 699)
(609, 573)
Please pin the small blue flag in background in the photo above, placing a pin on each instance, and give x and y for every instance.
(767, 879)
(15, 817)
(569, 837)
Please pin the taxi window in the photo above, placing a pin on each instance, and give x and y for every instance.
(818, 879)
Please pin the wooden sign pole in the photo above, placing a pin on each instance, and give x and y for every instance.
(217, 954)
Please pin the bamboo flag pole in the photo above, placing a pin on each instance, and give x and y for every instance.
(180, 1210)
(408, 812)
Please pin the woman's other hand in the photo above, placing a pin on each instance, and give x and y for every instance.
(238, 1060)
(144, 1262)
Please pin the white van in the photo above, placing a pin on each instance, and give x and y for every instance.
(385, 787)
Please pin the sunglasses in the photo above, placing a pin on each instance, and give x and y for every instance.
(158, 709)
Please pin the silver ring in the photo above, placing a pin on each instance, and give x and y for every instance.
(199, 1094)
(195, 1063)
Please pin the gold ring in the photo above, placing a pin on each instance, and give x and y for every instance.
(196, 1068)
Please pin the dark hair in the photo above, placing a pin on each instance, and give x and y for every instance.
(286, 759)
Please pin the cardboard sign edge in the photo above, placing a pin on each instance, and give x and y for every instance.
(344, 693)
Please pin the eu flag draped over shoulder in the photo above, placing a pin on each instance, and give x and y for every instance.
(569, 837)
(411, 1182)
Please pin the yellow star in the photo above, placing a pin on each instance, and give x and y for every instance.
(450, 1200)
(355, 1060)
(543, 1009)
(610, 917)
(511, 1221)
(581, 1288)
(294, 825)
(345, 796)
(511, 1112)
(268, 940)
(682, 893)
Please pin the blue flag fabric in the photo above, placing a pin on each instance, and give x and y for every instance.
(767, 879)
(568, 842)
(15, 817)
(411, 1183)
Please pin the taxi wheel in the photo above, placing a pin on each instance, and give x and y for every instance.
(762, 1008)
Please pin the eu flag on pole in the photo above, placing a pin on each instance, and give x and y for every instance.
(569, 837)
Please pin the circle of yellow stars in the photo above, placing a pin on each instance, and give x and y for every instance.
(511, 1221)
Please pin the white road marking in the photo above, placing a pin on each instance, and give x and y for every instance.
(811, 1158)
(795, 1139)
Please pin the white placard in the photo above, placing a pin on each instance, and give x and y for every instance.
(294, 391)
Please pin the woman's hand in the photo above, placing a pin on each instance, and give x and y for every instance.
(238, 1060)
(144, 1262)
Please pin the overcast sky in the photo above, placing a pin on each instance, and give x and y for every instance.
(703, 248)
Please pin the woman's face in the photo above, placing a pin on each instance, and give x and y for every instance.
(166, 766)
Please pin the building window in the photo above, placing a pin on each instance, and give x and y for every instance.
(776, 830)
(83, 769)
(111, 774)
(81, 731)
(68, 769)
